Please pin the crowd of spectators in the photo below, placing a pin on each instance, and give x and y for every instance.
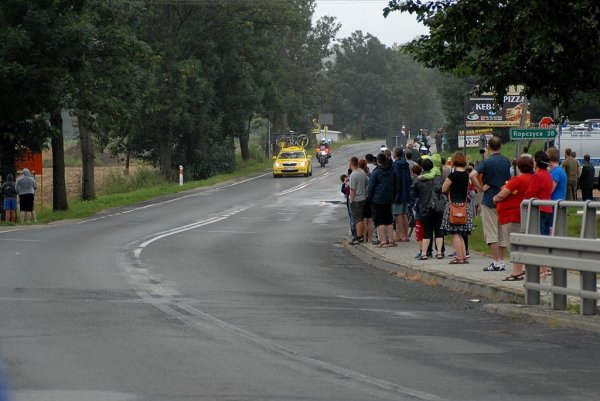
(397, 193)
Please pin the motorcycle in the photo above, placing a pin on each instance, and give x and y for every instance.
(323, 156)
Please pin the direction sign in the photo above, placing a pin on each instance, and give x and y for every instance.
(533, 133)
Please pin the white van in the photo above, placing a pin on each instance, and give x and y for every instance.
(582, 138)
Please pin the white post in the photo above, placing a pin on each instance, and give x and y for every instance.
(180, 175)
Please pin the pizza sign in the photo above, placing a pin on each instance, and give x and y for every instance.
(484, 111)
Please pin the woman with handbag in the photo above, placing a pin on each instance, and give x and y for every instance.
(458, 217)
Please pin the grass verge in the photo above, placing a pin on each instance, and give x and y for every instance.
(140, 187)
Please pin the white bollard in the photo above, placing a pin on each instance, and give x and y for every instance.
(180, 175)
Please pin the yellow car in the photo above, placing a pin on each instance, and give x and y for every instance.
(292, 161)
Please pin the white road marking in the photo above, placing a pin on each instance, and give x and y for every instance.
(137, 251)
(367, 298)
(168, 201)
(19, 239)
(305, 184)
(227, 231)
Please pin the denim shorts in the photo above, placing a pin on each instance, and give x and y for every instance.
(399, 208)
(10, 204)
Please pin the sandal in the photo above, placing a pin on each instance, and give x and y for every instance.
(456, 261)
(382, 245)
(391, 244)
(439, 256)
(515, 277)
(424, 257)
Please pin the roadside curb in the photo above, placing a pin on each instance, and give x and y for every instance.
(512, 298)
(450, 281)
(542, 315)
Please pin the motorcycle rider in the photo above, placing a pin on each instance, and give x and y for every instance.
(324, 145)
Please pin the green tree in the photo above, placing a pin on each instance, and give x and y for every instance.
(374, 90)
(292, 80)
(545, 45)
(180, 122)
(108, 82)
(358, 80)
(35, 68)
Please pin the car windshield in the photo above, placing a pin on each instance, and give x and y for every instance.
(291, 155)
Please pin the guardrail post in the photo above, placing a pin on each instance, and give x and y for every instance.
(559, 276)
(531, 225)
(532, 297)
(588, 279)
(532, 221)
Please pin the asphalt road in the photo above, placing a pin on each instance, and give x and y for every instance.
(243, 292)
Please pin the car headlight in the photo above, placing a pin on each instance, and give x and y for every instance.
(302, 164)
(277, 164)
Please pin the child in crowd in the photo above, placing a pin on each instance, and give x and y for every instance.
(346, 191)
(416, 171)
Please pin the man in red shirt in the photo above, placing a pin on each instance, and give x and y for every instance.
(508, 204)
(540, 188)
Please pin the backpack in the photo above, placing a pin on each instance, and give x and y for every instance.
(9, 190)
(437, 204)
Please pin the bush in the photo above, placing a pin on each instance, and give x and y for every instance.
(116, 182)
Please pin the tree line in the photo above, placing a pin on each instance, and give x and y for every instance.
(181, 82)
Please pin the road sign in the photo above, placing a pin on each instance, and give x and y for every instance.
(533, 133)
(326, 119)
(32, 161)
(545, 122)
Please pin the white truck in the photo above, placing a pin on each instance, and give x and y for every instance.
(582, 138)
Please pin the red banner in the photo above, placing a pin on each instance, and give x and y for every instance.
(30, 160)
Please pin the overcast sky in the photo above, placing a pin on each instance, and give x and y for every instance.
(367, 16)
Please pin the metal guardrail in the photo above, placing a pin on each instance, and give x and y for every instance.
(559, 252)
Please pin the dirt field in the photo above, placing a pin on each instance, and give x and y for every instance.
(73, 175)
(73, 182)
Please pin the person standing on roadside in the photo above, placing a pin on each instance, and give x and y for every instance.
(408, 154)
(416, 151)
(345, 189)
(508, 203)
(483, 142)
(370, 235)
(495, 171)
(381, 191)
(431, 220)
(446, 169)
(571, 168)
(559, 175)
(559, 184)
(438, 142)
(540, 188)
(357, 199)
(402, 198)
(586, 179)
(26, 187)
(428, 141)
(456, 185)
(9, 191)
